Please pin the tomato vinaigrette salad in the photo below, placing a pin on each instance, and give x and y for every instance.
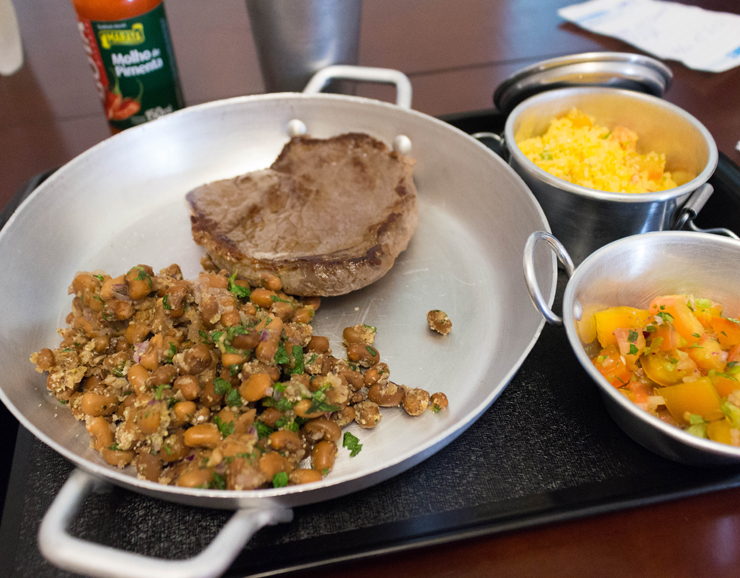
(679, 360)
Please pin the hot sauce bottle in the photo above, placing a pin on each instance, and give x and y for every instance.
(130, 52)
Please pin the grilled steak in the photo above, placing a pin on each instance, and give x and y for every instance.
(328, 217)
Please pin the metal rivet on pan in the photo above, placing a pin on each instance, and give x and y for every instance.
(296, 128)
(402, 144)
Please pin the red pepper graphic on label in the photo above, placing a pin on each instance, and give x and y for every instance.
(118, 107)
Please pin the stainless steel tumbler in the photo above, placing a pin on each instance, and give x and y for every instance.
(296, 38)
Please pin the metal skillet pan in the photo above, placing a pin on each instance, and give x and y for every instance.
(122, 203)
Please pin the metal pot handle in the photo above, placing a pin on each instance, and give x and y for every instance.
(83, 557)
(691, 209)
(530, 276)
(363, 73)
(500, 149)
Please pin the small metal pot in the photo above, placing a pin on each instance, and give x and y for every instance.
(585, 219)
(632, 272)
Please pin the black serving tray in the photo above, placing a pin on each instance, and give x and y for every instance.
(545, 451)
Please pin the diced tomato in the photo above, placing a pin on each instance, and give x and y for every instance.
(696, 397)
(631, 344)
(612, 367)
(670, 339)
(734, 354)
(724, 384)
(728, 332)
(640, 390)
(708, 354)
(609, 320)
(668, 367)
(673, 309)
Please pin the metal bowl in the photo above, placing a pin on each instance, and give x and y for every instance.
(632, 272)
(585, 219)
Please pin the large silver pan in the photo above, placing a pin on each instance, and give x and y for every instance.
(121, 203)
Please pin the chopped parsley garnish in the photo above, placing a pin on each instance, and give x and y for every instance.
(171, 352)
(352, 443)
(371, 351)
(165, 303)
(168, 450)
(651, 329)
(695, 335)
(203, 336)
(114, 448)
(66, 349)
(287, 423)
(733, 364)
(688, 304)
(172, 402)
(219, 481)
(106, 316)
(436, 409)
(601, 359)
(733, 320)
(143, 275)
(234, 398)
(275, 299)
(160, 389)
(117, 371)
(226, 429)
(325, 471)
(280, 480)
(281, 357)
(319, 403)
(99, 298)
(667, 317)
(221, 386)
(99, 277)
(238, 290)
(298, 356)
(312, 359)
(632, 336)
(234, 369)
(633, 349)
(673, 360)
(263, 430)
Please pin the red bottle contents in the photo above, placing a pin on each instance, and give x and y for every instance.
(130, 52)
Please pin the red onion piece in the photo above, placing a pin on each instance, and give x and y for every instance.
(327, 415)
(265, 335)
(252, 431)
(269, 391)
(139, 350)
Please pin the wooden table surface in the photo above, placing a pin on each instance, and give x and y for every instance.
(456, 52)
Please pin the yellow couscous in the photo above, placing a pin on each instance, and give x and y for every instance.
(583, 153)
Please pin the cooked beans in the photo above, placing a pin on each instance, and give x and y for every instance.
(199, 385)
(439, 322)
(205, 435)
(415, 401)
(363, 355)
(323, 455)
(367, 414)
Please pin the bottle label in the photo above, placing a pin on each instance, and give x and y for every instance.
(134, 67)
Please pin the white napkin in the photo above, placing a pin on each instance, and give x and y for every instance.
(701, 39)
(11, 52)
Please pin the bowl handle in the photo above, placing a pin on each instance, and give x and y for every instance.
(80, 556)
(691, 209)
(530, 276)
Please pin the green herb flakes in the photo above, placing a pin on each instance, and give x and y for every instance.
(298, 356)
(238, 290)
(221, 386)
(226, 429)
(165, 303)
(280, 480)
(281, 357)
(234, 398)
(352, 443)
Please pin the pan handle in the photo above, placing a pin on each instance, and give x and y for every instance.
(530, 276)
(83, 557)
(363, 73)
(691, 209)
